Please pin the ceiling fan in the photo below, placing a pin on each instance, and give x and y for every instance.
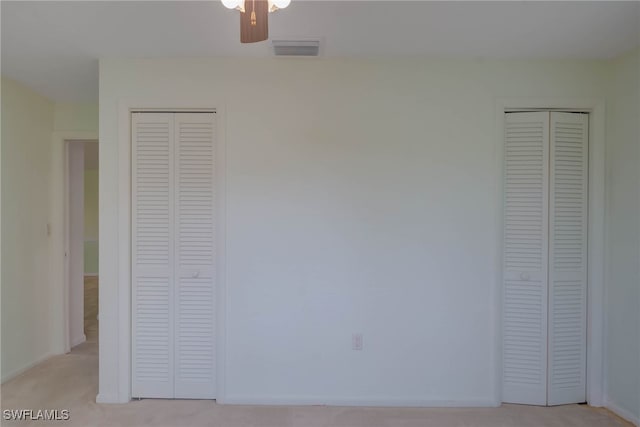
(254, 17)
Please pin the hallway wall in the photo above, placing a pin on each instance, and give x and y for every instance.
(27, 123)
(90, 221)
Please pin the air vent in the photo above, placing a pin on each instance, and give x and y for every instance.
(296, 47)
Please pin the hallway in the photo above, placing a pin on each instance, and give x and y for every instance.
(91, 308)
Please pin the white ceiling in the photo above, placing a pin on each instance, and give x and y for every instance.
(54, 47)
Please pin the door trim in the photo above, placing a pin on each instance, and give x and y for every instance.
(74, 258)
(596, 233)
(117, 304)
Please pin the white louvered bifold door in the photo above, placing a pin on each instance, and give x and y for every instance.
(525, 252)
(195, 255)
(152, 255)
(173, 254)
(568, 258)
(545, 258)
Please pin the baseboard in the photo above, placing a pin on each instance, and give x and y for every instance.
(90, 274)
(78, 340)
(623, 413)
(346, 401)
(11, 375)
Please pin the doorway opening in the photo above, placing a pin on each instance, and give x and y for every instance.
(81, 248)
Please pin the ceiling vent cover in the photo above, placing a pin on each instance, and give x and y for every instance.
(296, 47)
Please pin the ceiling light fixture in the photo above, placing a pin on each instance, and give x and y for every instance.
(254, 17)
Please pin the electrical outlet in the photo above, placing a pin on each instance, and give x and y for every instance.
(356, 341)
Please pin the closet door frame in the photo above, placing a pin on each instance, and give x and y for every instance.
(596, 255)
(123, 303)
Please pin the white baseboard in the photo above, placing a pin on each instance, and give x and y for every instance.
(623, 413)
(11, 375)
(78, 340)
(373, 401)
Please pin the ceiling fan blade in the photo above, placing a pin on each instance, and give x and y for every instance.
(254, 21)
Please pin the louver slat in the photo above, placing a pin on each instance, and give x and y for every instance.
(525, 252)
(152, 254)
(568, 258)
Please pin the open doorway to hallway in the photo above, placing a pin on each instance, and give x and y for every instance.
(82, 242)
(91, 241)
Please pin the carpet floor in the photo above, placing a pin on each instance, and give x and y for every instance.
(70, 382)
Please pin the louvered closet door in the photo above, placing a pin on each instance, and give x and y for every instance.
(152, 255)
(195, 256)
(525, 258)
(568, 258)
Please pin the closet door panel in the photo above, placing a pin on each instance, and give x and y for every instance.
(568, 258)
(525, 254)
(195, 324)
(152, 255)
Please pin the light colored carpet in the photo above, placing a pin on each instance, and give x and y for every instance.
(71, 382)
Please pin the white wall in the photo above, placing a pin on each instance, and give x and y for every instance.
(361, 197)
(623, 279)
(27, 122)
(76, 117)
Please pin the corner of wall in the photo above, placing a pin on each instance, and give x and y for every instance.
(623, 413)
(623, 238)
